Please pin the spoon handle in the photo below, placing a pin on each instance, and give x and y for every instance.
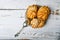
(24, 25)
(17, 34)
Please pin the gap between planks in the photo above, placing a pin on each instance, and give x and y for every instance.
(12, 9)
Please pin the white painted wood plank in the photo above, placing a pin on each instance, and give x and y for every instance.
(23, 4)
(15, 4)
(10, 23)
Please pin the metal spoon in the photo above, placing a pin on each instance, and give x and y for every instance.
(24, 25)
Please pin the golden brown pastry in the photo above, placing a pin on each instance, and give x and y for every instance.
(41, 24)
(42, 15)
(34, 23)
(31, 11)
(37, 17)
(28, 21)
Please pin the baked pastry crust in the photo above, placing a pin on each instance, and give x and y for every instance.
(37, 17)
(34, 23)
(31, 11)
(42, 15)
